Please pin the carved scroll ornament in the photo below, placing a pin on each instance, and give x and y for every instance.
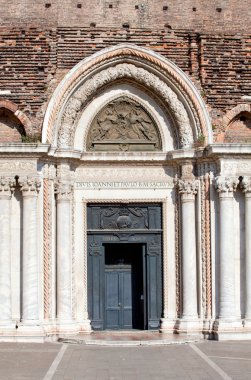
(84, 93)
(123, 125)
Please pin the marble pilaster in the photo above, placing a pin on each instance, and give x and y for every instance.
(246, 188)
(30, 291)
(225, 187)
(63, 190)
(6, 187)
(188, 190)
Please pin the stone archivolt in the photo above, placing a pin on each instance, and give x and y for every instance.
(81, 74)
(123, 71)
(123, 125)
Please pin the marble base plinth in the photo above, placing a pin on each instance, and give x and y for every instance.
(189, 326)
(230, 329)
(167, 325)
(21, 333)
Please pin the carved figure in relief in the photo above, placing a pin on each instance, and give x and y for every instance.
(122, 122)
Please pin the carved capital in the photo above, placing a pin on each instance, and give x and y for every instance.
(245, 185)
(63, 190)
(29, 185)
(225, 186)
(7, 185)
(188, 187)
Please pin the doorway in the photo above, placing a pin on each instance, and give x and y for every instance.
(124, 286)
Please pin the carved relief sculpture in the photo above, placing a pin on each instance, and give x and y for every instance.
(123, 125)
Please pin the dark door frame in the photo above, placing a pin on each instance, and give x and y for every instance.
(125, 224)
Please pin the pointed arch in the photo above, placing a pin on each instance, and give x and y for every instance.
(128, 63)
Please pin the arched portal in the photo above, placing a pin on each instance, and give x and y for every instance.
(123, 125)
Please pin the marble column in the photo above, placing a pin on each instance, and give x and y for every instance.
(30, 291)
(64, 258)
(6, 187)
(225, 188)
(246, 188)
(188, 190)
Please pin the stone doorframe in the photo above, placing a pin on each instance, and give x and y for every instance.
(164, 202)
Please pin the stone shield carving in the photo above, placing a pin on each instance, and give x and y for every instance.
(123, 125)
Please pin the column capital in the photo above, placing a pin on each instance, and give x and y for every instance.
(188, 188)
(63, 190)
(7, 185)
(245, 185)
(225, 186)
(29, 185)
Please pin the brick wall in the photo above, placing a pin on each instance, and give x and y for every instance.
(33, 60)
(199, 15)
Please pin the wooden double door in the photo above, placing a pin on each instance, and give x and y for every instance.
(124, 286)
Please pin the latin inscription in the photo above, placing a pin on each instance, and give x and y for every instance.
(124, 185)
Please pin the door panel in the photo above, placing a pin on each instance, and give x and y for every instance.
(118, 294)
(126, 299)
(112, 289)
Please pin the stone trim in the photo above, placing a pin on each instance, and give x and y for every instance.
(120, 53)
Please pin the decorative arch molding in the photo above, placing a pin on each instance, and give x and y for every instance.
(13, 107)
(233, 113)
(167, 130)
(126, 62)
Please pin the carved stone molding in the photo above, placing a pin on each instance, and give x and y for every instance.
(188, 188)
(225, 186)
(29, 185)
(124, 70)
(245, 185)
(7, 185)
(13, 166)
(63, 190)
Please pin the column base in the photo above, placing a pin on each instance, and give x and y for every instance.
(167, 325)
(230, 329)
(191, 326)
(85, 327)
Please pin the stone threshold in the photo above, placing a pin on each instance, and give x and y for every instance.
(129, 338)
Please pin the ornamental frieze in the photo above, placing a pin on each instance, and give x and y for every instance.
(124, 217)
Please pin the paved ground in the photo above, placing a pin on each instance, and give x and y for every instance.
(196, 361)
